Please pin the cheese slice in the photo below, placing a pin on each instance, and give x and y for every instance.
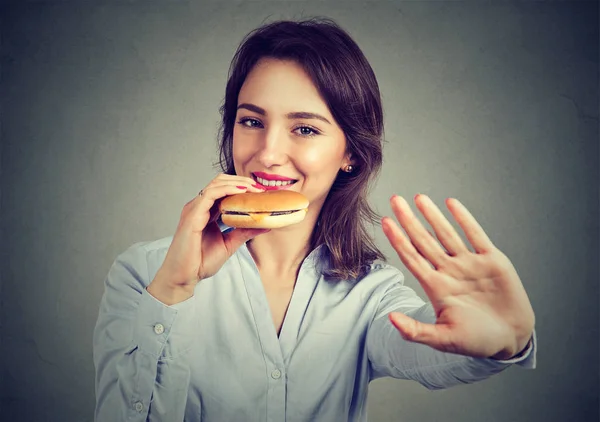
(258, 216)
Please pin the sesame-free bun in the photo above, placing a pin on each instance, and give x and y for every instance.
(274, 200)
(263, 220)
(253, 210)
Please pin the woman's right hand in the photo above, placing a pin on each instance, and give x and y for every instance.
(199, 249)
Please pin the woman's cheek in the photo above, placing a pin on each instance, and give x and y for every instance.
(241, 145)
(316, 159)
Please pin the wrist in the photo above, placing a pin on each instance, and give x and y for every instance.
(169, 295)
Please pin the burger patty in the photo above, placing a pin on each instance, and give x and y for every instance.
(270, 213)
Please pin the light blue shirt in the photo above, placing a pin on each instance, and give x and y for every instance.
(216, 357)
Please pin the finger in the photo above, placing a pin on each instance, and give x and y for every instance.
(203, 209)
(244, 181)
(445, 233)
(407, 252)
(433, 335)
(215, 213)
(212, 193)
(234, 178)
(473, 231)
(219, 189)
(423, 241)
(240, 183)
(435, 239)
(236, 238)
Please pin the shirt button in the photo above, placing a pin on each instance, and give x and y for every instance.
(276, 374)
(139, 406)
(159, 329)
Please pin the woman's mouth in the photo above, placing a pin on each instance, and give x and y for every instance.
(274, 184)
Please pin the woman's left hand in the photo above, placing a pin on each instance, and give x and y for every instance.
(481, 307)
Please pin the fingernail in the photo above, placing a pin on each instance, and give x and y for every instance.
(257, 186)
(242, 187)
(416, 196)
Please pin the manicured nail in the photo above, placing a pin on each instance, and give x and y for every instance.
(242, 187)
(257, 186)
(416, 196)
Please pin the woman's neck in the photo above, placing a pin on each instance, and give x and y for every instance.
(281, 251)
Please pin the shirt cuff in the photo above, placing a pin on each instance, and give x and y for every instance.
(527, 358)
(162, 331)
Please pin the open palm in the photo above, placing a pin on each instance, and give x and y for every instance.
(481, 307)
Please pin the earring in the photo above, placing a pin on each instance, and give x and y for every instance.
(349, 169)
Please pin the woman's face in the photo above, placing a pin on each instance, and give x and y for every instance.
(285, 130)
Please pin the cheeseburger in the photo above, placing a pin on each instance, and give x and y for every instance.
(264, 210)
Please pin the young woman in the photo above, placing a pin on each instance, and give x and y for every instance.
(292, 324)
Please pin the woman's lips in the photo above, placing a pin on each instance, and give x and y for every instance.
(276, 187)
(268, 176)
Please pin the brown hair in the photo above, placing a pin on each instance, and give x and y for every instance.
(346, 81)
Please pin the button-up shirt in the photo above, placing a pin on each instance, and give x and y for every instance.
(217, 356)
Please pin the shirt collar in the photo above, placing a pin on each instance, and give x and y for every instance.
(318, 258)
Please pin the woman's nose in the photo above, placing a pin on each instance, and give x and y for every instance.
(273, 148)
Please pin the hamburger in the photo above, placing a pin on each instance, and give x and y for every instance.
(264, 210)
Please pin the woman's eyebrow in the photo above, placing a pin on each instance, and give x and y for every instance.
(293, 115)
(253, 108)
(306, 115)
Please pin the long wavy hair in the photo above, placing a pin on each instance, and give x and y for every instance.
(346, 81)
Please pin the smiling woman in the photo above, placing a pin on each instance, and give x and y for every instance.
(293, 323)
(316, 82)
(293, 135)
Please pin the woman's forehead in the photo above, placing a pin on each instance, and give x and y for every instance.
(282, 87)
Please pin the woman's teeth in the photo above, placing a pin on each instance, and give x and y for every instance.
(265, 182)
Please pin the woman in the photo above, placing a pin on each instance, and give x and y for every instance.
(293, 323)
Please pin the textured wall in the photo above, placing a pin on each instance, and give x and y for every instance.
(109, 117)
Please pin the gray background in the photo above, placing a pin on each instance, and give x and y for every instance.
(109, 119)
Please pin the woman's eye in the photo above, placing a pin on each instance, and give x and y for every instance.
(307, 131)
(249, 122)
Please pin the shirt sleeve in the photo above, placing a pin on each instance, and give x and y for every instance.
(390, 355)
(139, 345)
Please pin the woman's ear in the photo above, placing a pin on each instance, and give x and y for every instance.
(348, 161)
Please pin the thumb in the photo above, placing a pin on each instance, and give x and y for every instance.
(237, 237)
(419, 332)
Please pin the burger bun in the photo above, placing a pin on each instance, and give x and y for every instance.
(263, 222)
(254, 210)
